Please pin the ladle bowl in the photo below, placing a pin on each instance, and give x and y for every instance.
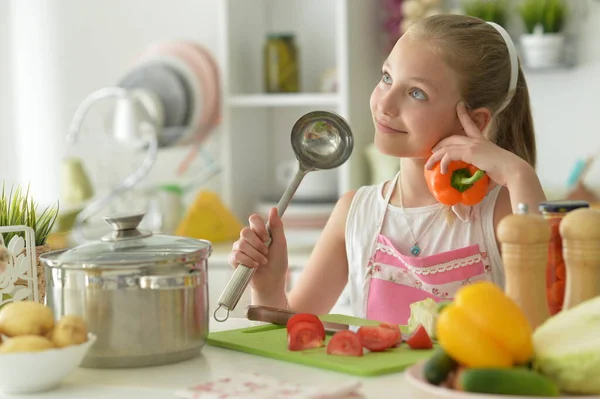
(321, 140)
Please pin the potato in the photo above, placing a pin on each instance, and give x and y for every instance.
(70, 330)
(25, 318)
(26, 343)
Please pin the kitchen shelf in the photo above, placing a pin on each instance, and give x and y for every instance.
(335, 35)
(285, 100)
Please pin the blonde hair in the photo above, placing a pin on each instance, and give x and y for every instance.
(476, 51)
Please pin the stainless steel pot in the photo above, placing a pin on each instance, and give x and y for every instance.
(145, 296)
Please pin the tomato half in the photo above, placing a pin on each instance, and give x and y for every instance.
(308, 318)
(420, 339)
(304, 335)
(345, 343)
(396, 331)
(377, 338)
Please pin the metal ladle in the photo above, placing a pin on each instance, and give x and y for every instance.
(320, 140)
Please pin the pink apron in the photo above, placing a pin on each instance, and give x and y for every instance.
(393, 280)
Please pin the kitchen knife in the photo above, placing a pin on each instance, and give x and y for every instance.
(281, 317)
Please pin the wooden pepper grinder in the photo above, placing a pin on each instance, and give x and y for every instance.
(580, 232)
(525, 237)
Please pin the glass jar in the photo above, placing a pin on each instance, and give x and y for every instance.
(281, 64)
(554, 212)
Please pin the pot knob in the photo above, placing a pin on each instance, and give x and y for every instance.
(125, 227)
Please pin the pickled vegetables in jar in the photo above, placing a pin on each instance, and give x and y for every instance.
(281, 64)
(554, 212)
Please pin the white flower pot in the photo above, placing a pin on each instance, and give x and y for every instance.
(543, 50)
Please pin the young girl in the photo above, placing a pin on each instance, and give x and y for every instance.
(451, 89)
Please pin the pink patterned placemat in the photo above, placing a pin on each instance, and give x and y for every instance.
(255, 386)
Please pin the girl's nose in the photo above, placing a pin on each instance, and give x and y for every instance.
(387, 105)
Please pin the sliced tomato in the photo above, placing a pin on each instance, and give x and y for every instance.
(396, 330)
(419, 339)
(378, 338)
(309, 318)
(345, 343)
(304, 335)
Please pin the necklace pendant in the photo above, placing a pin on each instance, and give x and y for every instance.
(415, 250)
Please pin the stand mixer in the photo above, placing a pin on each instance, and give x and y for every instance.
(170, 98)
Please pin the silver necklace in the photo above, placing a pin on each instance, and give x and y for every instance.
(415, 250)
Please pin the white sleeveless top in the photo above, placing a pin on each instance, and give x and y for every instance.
(431, 227)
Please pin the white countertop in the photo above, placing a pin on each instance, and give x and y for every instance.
(161, 382)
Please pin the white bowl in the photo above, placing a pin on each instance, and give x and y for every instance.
(425, 390)
(40, 371)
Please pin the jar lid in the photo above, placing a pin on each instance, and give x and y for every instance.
(280, 35)
(126, 245)
(562, 206)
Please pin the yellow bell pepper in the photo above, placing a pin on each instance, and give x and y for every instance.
(483, 327)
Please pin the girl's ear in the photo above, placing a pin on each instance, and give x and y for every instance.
(481, 117)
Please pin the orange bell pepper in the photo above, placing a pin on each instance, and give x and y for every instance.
(462, 183)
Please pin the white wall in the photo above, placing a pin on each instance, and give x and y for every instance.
(566, 109)
(93, 44)
(7, 142)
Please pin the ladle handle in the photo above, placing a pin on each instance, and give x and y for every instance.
(243, 274)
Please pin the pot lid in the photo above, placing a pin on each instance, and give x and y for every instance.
(128, 245)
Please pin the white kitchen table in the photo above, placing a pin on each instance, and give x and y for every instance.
(161, 382)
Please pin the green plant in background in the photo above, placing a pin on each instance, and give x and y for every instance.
(17, 208)
(549, 14)
(488, 10)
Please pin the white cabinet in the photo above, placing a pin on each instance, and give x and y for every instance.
(343, 35)
(339, 34)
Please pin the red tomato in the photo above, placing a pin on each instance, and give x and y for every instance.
(396, 330)
(345, 343)
(420, 339)
(378, 338)
(304, 335)
(306, 317)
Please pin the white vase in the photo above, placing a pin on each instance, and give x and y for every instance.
(543, 50)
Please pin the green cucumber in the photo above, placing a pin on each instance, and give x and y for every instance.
(529, 364)
(507, 381)
(438, 367)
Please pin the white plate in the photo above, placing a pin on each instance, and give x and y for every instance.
(197, 92)
(425, 390)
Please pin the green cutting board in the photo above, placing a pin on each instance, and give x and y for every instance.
(270, 340)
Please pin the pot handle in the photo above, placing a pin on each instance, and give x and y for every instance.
(170, 282)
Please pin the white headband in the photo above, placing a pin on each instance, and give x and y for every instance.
(514, 65)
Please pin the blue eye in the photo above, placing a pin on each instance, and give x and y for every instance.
(386, 78)
(418, 94)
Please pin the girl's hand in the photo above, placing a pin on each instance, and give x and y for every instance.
(271, 262)
(475, 149)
